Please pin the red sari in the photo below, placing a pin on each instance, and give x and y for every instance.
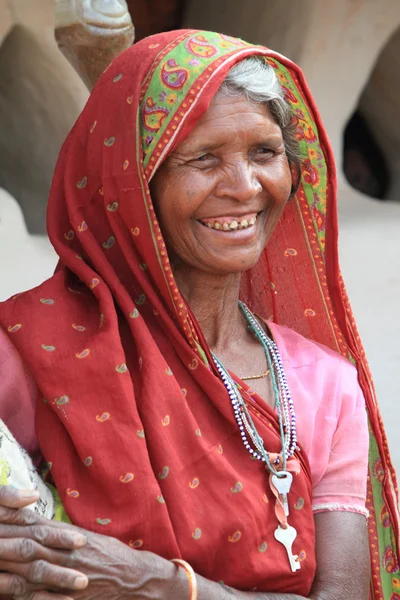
(134, 423)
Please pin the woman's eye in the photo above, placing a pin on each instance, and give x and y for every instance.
(203, 158)
(265, 152)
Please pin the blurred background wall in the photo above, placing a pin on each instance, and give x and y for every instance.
(350, 53)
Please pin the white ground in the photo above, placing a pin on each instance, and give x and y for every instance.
(370, 260)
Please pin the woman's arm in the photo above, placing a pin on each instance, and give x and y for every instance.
(111, 570)
(217, 591)
(343, 560)
(343, 564)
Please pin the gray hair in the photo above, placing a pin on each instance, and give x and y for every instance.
(254, 78)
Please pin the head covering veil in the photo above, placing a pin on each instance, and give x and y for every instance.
(131, 419)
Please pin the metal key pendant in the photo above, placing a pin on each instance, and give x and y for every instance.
(286, 537)
(283, 485)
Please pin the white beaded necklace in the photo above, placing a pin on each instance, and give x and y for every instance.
(283, 400)
(280, 478)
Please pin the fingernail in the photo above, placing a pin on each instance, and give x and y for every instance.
(28, 494)
(81, 582)
(79, 540)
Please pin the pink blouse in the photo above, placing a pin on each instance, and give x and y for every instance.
(331, 416)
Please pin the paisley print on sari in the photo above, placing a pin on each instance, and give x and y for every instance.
(174, 76)
(153, 116)
(199, 46)
(146, 399)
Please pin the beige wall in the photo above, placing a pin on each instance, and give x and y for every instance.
(6, 19)
(336, 43)
(40, 98)
(380, 104)
(25, 260)
(369, 235)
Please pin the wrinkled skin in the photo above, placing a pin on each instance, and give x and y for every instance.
(55, 552)
(232, 163)
(45, 555)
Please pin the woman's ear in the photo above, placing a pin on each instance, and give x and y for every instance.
(295, 171)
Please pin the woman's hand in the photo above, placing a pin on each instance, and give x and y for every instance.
(21, 581)
(38, 556)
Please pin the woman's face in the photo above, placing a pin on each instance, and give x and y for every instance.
(220, 194)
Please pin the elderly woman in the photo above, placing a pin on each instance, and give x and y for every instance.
(200, 448)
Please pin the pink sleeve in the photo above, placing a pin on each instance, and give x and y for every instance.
(17, 397)
(343, 486)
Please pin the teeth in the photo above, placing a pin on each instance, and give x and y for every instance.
(233, 226)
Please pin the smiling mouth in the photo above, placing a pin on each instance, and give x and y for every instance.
(230, 224)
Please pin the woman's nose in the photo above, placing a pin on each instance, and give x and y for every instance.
(238, 182)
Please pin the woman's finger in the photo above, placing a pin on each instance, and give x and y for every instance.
(24, 550)
(47, 535)
(14, 498)
(20, 516)
(14, 586)
(42, 595)
(46, 575)
(64, 535)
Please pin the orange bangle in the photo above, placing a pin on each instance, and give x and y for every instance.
(191, 575)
